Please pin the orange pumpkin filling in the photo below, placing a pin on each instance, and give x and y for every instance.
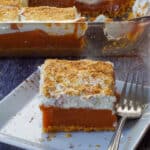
(39, 39)
(58, 119)
(40, 43)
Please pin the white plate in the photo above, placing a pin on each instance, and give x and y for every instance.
(20, 124)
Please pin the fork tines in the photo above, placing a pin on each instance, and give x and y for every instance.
(133, 94)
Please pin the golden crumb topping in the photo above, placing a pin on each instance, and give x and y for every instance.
(9, 14)
(45, 13)
(15, 3)
(76, 78)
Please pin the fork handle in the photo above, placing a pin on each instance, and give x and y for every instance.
(116, 138)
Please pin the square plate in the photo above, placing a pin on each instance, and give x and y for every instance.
(20, 124)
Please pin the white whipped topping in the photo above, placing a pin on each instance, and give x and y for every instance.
(94, 102)
(50, 28)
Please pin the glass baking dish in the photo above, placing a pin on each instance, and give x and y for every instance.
(99, 37)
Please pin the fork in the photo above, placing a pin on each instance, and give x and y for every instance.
(129, 107)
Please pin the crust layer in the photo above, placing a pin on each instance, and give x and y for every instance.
(86, 78)
(9, 14)
(44, 13)
(75, 128)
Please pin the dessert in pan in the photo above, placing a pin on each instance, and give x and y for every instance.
(41, 27)
(29, 28)
(77, 95)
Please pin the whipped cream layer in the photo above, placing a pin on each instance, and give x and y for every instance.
(93, 102)
(55, 29)
(90, 2)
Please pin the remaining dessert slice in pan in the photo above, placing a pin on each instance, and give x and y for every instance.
(45, 13)
(9, 14)
(77, 95)
(111, 8)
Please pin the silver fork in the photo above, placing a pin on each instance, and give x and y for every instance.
(129, 107)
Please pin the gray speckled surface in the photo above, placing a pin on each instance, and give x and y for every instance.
(14, 71)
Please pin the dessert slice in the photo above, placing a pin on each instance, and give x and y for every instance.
(77, 95)
(9, 14)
